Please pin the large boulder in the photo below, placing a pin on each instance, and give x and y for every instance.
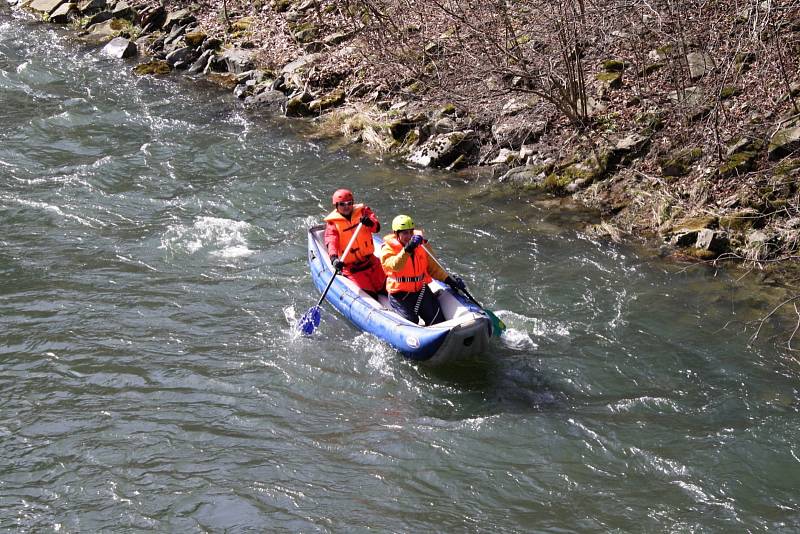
(89, 7)
(686, 231)
(714, 241)
(512, 131)
(105, 31)
(45, 6)
(527, 174)
(120, 48)
(679, 162)
(123, 10)
(699, 64)
(784, 142)
(442, 150)
(151, 18)
(64, 13)
(201, 64)
(180, 17)
(269, 100)
(182, 58)
(97, 18)
(237, 60)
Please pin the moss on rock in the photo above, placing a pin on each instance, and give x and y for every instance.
(740, 221)
(679, 163)
(295, 107)
(156, 68)
(695, 224)
(194, 39)
(610, 79)
(738, 163)
(699, 253)
(729, 91)
(328, 101)
(613, 65)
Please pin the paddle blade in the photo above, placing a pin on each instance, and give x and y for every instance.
(498, 326)
(310, 321)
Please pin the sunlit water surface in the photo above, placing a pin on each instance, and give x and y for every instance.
(152, 264)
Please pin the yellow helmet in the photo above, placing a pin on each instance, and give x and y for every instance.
(402, 222)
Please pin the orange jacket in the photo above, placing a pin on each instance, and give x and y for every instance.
(340, 230)
(407, 272)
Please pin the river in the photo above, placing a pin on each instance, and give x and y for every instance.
(152, 265)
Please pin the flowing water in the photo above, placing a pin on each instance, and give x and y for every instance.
(152, 265)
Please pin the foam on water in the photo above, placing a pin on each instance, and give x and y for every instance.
(217, 236)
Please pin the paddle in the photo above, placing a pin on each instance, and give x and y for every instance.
(310, 320)
(497, 324)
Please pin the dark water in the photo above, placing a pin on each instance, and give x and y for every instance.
(152, 262)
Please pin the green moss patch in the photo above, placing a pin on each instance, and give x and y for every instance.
(152, 68)
(679, 163)
(738, 163)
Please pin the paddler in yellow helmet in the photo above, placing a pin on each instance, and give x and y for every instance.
(408, 273)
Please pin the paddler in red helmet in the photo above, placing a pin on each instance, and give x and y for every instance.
(361, 265)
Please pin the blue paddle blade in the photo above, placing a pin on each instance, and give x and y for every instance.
(310, 321)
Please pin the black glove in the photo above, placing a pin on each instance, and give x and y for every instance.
(337, 263)
(455, 282)
(414, 243)
(366, 221)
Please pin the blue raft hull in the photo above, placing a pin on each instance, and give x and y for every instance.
(465, 334)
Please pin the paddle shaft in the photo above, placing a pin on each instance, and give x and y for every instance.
(463, 290)
(431, 256)
(346, 252)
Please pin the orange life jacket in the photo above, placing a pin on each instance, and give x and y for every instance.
(362, 246)
(414, 273)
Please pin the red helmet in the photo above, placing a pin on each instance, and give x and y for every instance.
(342, 195)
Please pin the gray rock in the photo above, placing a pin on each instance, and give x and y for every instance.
(180, 17)
(183, 57)
(631, 143)
(211, 43)
(513, 131)
(45, 6)
(120, 48)
(301, 63)
(712, 240)
(123, 11)
(444, 125)
(528, 174)
(64, 13)
(201, 63)
(103, 31)
(97, 18)
(700, 64)
(237, 60)
(784, 142)
(152, 16)
(441, 150)
(268, 100)
(87, 7)
(174, 34)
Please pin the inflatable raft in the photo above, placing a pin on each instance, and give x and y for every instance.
(463, 335)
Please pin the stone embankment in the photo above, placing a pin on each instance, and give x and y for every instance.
(740, 202)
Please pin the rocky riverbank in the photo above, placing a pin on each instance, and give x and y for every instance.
(679, 126)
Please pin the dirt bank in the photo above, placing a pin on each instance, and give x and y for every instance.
(679, 125)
